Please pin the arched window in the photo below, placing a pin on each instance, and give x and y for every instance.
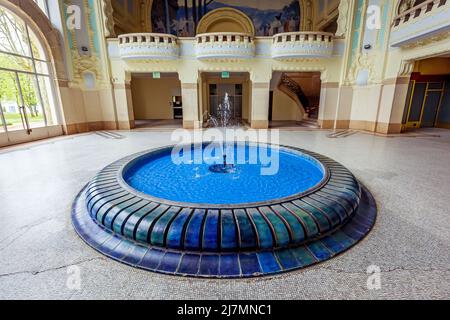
(26, 90)
(44, 5)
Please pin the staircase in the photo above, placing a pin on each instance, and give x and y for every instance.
(308, 123)
(293, 90)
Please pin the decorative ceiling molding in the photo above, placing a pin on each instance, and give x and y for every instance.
(108, 19)
(343, 18)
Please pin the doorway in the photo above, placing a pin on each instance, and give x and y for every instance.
(425, 101)
(214, 86)
(157, 101)
(217, 92)
(294, 99)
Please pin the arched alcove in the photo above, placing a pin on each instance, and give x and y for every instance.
(226, 20)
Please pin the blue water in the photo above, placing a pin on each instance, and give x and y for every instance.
(193, 182)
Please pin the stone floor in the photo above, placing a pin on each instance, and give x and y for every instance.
(408, 175)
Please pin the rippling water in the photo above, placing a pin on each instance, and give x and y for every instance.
(192, 182)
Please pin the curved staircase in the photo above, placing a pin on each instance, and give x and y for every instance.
(291, 88)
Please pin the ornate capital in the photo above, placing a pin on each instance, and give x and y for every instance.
(406, 68)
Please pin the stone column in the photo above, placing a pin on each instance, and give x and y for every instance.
(124, 105)
(189, 93)
(259, 114)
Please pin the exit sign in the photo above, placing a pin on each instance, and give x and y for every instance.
(156, 75)
(225, 75)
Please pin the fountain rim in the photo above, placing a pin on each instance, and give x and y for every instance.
(123, 184)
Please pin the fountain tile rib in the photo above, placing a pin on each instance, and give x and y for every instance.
(106, 207)
(335, 215)
(228, 231)
(176, 230)
(98, 188)
(278, 226)
(341, 206)
(310, 225)
(119, 220)
(263, 230)
(295, 226)
(193, 236)
(143, 229)
(231, 242)
(108, 218)
(210, 236)
(93, 199)
(160, 228)
(343, 200)
(315, 219)
(247, 234)
(102, 200)
(128, 228)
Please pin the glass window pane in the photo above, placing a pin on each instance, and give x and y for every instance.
(15, 63)
(47, 100)
(9, 99)
(33, 107)
(13, 35)
(2, 126)
(38, 50)
(42, 67)
(43, 5)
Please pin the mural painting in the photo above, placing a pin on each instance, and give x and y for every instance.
(180, 17)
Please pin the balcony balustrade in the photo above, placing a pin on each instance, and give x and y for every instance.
(224, 45)
(293, 45)
(426, 19)
(141, 46)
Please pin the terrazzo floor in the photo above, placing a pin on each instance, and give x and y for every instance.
(409, 177)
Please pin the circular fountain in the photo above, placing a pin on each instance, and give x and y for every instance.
(255, 218)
